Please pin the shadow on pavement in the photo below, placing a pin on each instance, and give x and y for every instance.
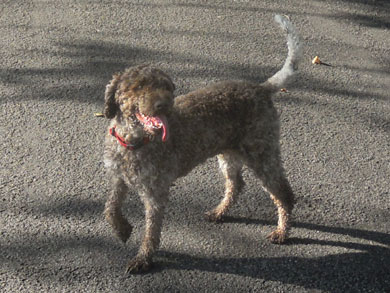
(93, 64)
(364, 270)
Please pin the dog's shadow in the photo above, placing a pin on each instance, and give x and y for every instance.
(364, 266)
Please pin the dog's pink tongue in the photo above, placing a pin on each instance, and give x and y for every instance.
(164, 125)
(156, 122)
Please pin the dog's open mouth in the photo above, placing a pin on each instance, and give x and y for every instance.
(153, 123)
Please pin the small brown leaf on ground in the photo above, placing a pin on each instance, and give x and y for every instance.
(316, 60)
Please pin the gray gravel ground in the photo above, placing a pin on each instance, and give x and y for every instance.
(56, 58)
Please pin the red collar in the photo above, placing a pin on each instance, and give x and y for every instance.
(123, 143)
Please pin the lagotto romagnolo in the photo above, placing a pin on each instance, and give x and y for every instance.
(154, 138)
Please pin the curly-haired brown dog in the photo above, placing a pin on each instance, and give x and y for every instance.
(153, 139)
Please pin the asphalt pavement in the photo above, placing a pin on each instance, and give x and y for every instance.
(56, 58)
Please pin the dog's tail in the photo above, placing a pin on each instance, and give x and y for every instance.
(280, 78)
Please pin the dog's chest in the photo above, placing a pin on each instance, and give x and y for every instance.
(148, 165)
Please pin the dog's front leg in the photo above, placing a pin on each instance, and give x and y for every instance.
(154, 211)
(113, 207)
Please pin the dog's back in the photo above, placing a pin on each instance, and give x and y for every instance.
(213, 119)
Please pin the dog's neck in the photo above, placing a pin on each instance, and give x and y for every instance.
(129, 145)
(129, 132)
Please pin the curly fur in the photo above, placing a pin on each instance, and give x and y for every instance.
(233, 120)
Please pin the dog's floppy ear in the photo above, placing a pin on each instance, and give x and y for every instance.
(110, 105)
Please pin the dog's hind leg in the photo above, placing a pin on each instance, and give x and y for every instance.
(283, 197)
(230, 164)
(113, 211)
(268, 167)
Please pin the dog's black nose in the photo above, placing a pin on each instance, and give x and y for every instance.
(160, 105)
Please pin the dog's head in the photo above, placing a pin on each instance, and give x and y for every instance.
(141, 93)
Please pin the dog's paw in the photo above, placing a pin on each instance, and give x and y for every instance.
(277, 237)
(138, 264)
(121, 226)
(213, 216)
